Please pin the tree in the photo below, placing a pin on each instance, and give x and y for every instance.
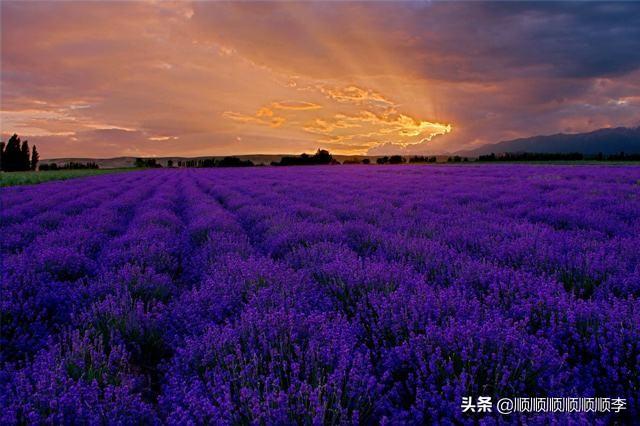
(2, 145)
(170, 163)
(396, 159)
(50, 166)
(35, 157)
(11, 155)
(233, 162)
(147, 162)
(25, 163)
(323, 157)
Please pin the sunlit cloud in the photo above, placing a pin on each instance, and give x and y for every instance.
(295, 105)
(264, 117)
(357, 127)
(163, 138)
(327, 126)
(354, 94)
(105, 126)
(368, 125)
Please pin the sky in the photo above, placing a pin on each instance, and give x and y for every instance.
(155, 78)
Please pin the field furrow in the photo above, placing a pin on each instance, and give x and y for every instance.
(319, 295)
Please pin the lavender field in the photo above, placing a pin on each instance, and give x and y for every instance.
(319, 295)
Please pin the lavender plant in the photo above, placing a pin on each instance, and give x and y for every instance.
(347, 295)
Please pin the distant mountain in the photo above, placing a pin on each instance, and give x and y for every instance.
(607, 141)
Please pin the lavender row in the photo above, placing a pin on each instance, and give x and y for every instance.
(323, 295)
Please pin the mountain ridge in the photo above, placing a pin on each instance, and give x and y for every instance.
(608, 140)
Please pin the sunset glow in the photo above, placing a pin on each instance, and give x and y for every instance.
(103, 79)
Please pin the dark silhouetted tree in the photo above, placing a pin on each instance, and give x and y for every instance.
(233, 162)
(2, 145)
(50, 166)
(79, 166)
(322, 156)
(70, 166)
(25, 162)
(396, 159)
(12, 157)
(35, 157)
(422, 159)
(147, 162)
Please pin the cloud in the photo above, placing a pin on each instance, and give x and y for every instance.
(163, 138)
(274, 121)
(359, 126)
(357, 95)
(367, 124)
(465, 42)
(295, 105)
(327, 126)
(423, 76)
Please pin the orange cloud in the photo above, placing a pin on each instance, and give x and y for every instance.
(273, 122)
(370, 125)
(354, 94)
(295, 105)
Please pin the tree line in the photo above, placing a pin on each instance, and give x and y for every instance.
(210, 162)
(15, 155)
(321, 157)
(195, 163)
(72, 165)
(324, 157)
(399, 159)
(395, 159)
(557, 156)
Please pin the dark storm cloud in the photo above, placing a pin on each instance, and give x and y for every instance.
(463, 41)
(488, 41)
(575, 39)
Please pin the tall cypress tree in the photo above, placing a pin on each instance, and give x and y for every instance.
(2, 145)
(25, 163)
(11, 156)
(35, 157)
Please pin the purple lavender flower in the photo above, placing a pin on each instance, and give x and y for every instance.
(319, 295)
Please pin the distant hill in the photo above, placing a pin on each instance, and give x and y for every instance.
(607, 141)
(103, 163)
(122, 162)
